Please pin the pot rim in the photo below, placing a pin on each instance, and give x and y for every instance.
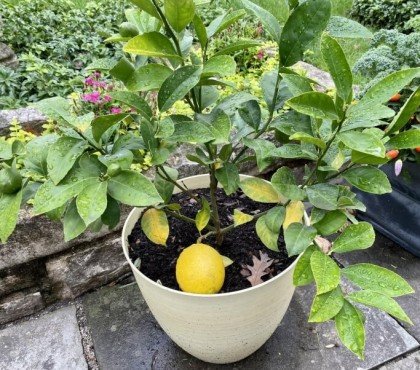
(185, 294)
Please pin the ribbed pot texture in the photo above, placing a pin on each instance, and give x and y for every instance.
(220, 328)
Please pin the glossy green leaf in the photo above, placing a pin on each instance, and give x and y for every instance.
(331, 222)
(378, 279)
(73, 224)
(179, 13)
(265, 151)
(166, 188)
(101, 124)
(298, 237)
(314, 104)
(306, 138)
(326, 306)
(200, 30)
(111, 216)
(405, 140)
(151, 44)
(221, 128)
(274, 218)
(363, 158)
(62, 156)
(405, 113)
(250, 112)
(228, 176)
(148, 77)
(297, 84)
(92, 201)
(338, 66)
(269, 21)
(355, 237)
(123, 158)
(269, 84)
(345, 28)
(192, 132)
(381, 301)
(224, 21)
(285, 183)
(123, 70)
(239, 45)
(260, 190)
(266, 235)
(323, 196)
(278, 8)
(350, 328)
(304, 25)
(133, 189)
(292, 122)
(363, 142)
(9, 213)
(177, 86)
(133, 100)
(369, 179)
(326, 272)
(221, 65)
(147, 6)
(303, 272)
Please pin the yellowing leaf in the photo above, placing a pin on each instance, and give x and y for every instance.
(240, 218)
(294, 213)
(226, 261)
(203, 216)
(260, 191)
(154, 224)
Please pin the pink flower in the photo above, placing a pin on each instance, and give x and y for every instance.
(115, 110)
(89, 81)
(107, 98)
(92, 97)
(260, 55)
(96, 74)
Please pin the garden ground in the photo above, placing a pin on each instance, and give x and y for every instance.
(112, 328)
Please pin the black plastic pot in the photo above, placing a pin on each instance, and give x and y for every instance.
(397, 215)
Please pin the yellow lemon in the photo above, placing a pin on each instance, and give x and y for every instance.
(200, 270)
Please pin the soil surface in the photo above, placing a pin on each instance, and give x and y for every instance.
(240, 245)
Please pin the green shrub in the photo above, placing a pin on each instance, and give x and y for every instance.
(55, 40)
(387, 14)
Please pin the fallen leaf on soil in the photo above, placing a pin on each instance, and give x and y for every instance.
(259, 269)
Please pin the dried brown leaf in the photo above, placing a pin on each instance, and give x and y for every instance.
(260, 268)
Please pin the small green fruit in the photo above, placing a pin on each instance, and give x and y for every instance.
(10, 181)
(114, 170)
(128, 29)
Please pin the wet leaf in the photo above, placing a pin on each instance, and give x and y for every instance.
(9, 212)
(154, 224)
(323, 196)
(179, 13)
(355, 237)
(405, 140)
(326, 306)
(363, 142)
(369, 179)
(92, 201)
(314, 104)
(303, 271)
(326, 272)
(285, 183)
(294, 213)
(331, 222)
(298, 237)
(151, 44)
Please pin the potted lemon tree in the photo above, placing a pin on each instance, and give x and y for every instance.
(217, 256)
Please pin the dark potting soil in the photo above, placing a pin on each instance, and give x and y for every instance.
(240, 245)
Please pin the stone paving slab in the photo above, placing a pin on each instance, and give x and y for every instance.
(387, 254)
(410, 362)
(50, 342)
(126, 336)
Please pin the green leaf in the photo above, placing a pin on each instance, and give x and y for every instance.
(147, 6)
(355, 237)
(221, 65)
(133, 189)
(405, 113)
(123, 158)
(383, 90)
(240, 218)
(92, 201)
(164, 187)
(148, 77)
(269, 85)
(363, 142)
(326, 272)
(266, 235)
(297, 84)
(177, 86)
(369, 179)
(274, 218)
(306, 138)
(303, 273)
(260, 190)
(62, 156)
(341, 27)
(228, 176)
(155, 226)
(179, 13)
(381, 301)
(200, 30)
(112, 214)
(292, 122)
(134, 101)
(250, 112)
(151, 44)
(350, 328)
(278, 8)
(264, 150)
(338, 66)
(9, 214)
(56, 108)
(298, 237)
(221, 128)
(73, 224)
(314, 104)
(101, 124)
(224, 21)
(362, 158)
(269, 21)
(378, 279)
(123, 70)
(203, 215)
(326, 306)
(5, 150)
(323, 196)
(285, 183)
(331, 222)
(304, 25)
(239, 45)
(192, 132)
(405, 140)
